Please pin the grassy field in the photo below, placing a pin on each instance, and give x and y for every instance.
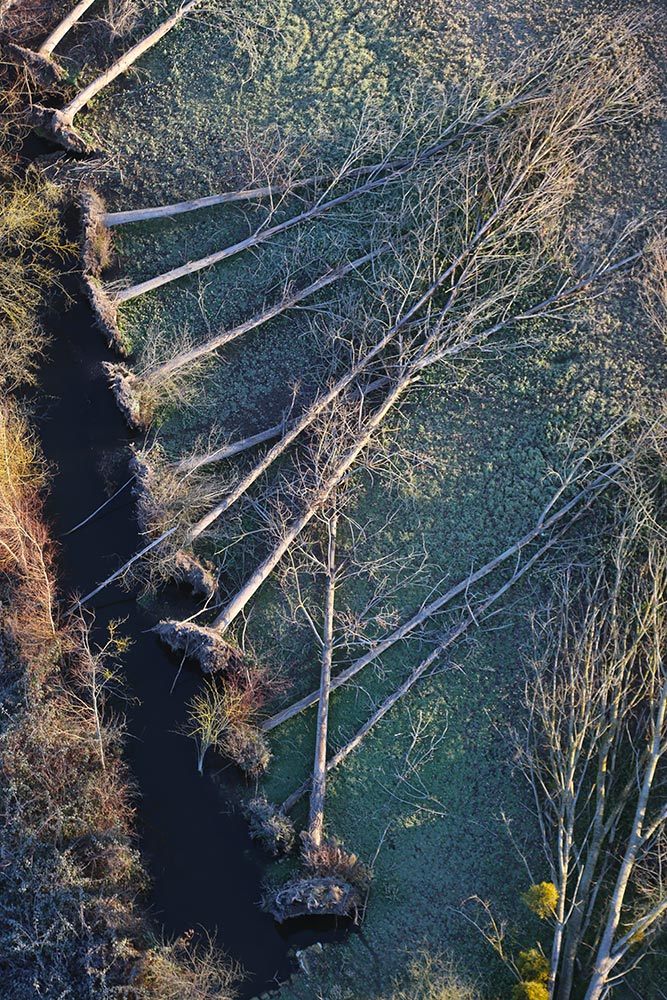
(474, 448)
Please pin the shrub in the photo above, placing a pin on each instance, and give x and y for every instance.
(185, 968)
(431, 977)
(533, 966)
(541, 899)
(247, 747)
(272, 828)
(530, 991)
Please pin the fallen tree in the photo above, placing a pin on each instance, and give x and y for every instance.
(474, 617)
(136, 395)
(58, 123)
(318, 790)
(105, 304)
(42, 63)
(537, 90)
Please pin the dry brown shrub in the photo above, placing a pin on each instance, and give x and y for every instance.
(185, 968)
(26, 553)
(32, 246)
(330, 858)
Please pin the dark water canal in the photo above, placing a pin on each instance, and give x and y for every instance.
(206, 872)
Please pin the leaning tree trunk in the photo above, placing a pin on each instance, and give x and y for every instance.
(59, 123)
(427, 612)
(128, 387)
(41, 63)
(472, 618)
(318, 789)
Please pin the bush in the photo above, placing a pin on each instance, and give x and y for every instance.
(530, 991)
(541, 899)
(431, 977)
(32, 239)
(247, 747)
(533, 966)
(272, 828)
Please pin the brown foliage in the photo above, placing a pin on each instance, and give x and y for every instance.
(69, 872)
(330, 858)
(26, 554)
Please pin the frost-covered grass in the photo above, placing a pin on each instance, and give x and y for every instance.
(475, 446)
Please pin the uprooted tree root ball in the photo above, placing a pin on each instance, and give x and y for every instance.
(45, 70)
(319, 896)
(130, 402)
(58, 127)
(205, 645)
(96, 240)
(331, 858)
(187, 569)
(334, 884)
(105, 309)
(247, 747)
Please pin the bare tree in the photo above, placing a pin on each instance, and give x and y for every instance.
(596, 744)
(97, 674)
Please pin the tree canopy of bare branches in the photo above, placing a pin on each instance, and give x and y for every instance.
(595, 748)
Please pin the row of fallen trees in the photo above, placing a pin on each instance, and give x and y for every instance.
(464, 267)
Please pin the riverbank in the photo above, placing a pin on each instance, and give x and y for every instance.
(104, 886)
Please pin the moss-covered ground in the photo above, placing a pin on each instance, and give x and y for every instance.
(474, 448)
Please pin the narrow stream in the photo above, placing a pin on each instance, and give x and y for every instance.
(206, 872)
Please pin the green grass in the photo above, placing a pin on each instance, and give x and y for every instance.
(476, 445)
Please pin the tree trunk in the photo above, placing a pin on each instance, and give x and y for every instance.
(244, 444)
(70, 110)
(600, 483)
(111, 219)
(47, 47)
(119, 572)
(318, 790)
(208, 346)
